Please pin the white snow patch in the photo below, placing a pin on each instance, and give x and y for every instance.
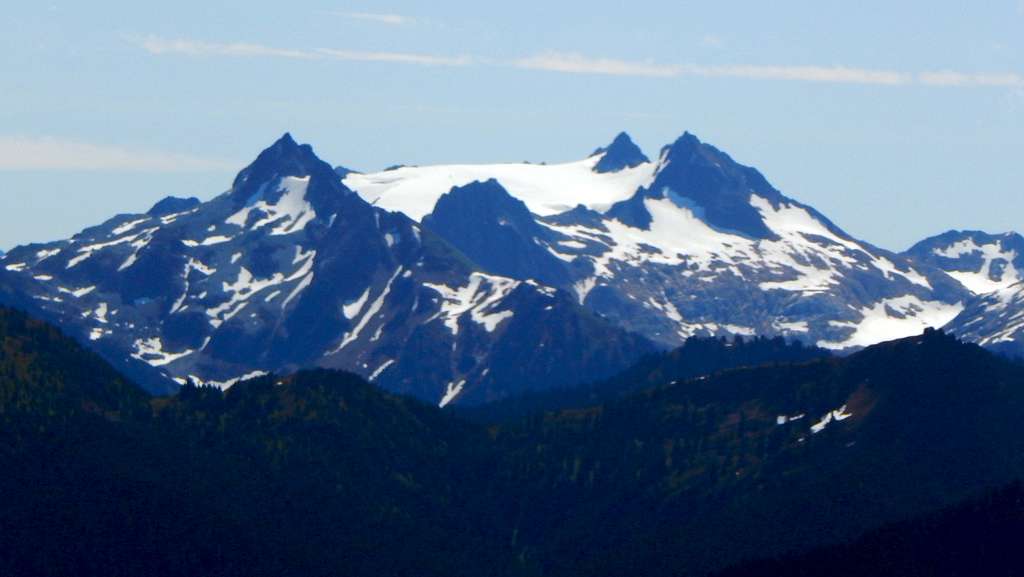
(303, 285)
(876, 324)
(374, 308)
(128, 226)
(380, 370)
(224, 385)
(790, 327)
(217, 239)
(546, 189)
(45, 254)
(241, 290)
(980, 281)
(783, 419)
(451, 391)
(87, 251)
(738, 330)
(246, 286)
(138, 244)
(479, 297)
(291, 213)
(100, 314)
(151, 351)
(77, 293)
(583, 287)
(173, 217)
(839, 414)
(305, 272)
(888, 268)
(191, 265)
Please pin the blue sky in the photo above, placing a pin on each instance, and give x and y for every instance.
(897, 120)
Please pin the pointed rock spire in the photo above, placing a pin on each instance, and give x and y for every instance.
(622, 153)
(701, 176)
(285, 158)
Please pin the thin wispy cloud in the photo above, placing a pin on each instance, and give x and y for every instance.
(578, 64)
(831, 74)
(399, 57)
(949, 78)
(376, 17)
(22, 153)
(161, 46)
(575, 63)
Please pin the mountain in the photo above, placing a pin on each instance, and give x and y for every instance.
(497, 231)
(698, 356)
(994, 320)
(42, 371)
(440, 281)
(977, 537)
(321, 473)
(983, 263)
(313, 474)
(991, 267)
(692, 244)
(289, 268)
(755, 462)
(621, 154)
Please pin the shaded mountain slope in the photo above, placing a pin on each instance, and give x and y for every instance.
(321, 473)
(979, 537)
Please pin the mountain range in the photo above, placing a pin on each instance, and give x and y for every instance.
(473, 283)
(290, 268)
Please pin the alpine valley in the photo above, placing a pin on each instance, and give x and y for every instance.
(473, 283)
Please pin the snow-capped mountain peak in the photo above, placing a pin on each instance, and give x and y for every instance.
(709, 180)
(660, 258)
(290, 269)
(263, 181)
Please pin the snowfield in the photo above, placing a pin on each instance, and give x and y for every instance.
(546, 189)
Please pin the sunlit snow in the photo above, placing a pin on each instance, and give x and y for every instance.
(546, 189)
